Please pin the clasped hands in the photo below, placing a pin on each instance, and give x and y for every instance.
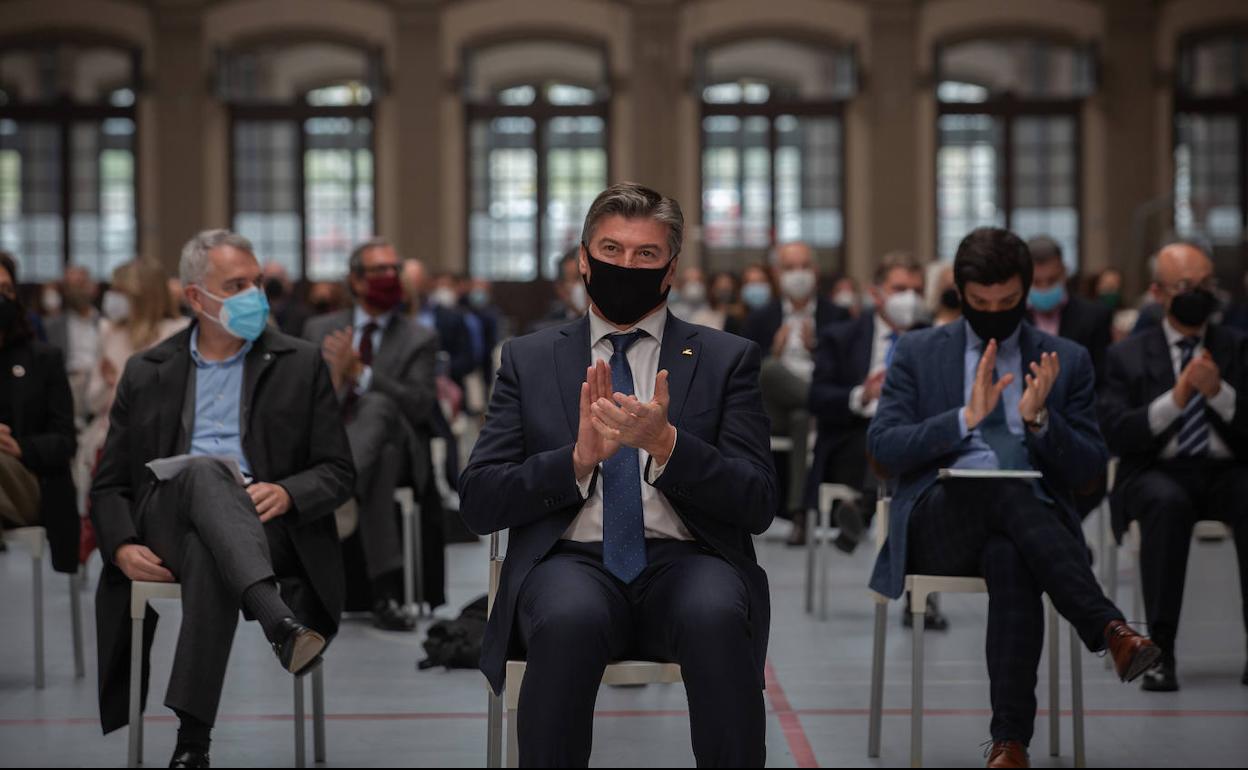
(610, 420)
(985, 394)
(344, 362)
(1200, 376)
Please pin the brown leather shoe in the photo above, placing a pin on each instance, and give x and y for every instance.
(1008, 754)
(1133, 654)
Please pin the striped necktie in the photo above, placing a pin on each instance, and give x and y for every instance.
(1194, 423)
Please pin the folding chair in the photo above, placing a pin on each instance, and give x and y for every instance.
(35, 540)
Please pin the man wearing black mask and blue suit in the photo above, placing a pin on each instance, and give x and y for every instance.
(631, 493)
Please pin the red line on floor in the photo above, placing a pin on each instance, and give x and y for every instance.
(790, 723)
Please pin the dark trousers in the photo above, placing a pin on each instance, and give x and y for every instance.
(688, 607)
(377, 437)
(1022, 547)
(1167, 500)
(205, 529)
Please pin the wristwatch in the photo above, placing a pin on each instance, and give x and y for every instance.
(1041, 421)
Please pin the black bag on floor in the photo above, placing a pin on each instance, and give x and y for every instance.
(457, 643)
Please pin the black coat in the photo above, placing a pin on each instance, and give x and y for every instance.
(1091, 325)
(842, 362)
(41, 407)
(761, 325)
(291, 434)
(1138, 370)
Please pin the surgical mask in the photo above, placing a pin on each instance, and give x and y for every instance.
(625, 294)
(1193, 307)
(384, 292)
(999, 326)
(52, 301)
(694, 294)
(243, 315)
(846, 299)
(1111, 299)
(479, 298)
(445, 298)
(902, 309)
(756, 295)
(798, 285)
(1047, 300)
(724, 296)
(116, 306)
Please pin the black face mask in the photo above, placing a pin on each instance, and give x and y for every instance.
(10, 311)
(949, 299)
(997, 326)
(1193, 307)
(625, 294)
(273, 289)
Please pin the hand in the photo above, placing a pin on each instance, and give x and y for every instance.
(808, 334)
(108, 370)
(591, 448)
(985, 394)
(642, 426)
(271, 500)
(8, 444)
(1203, 375)
(1039, 384)
(139, 563)
(344, 363)
(780, 341)
(873, 386)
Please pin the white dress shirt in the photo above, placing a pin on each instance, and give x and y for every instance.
(796, 357)
(661, 520)
(1163, 412)
(360, 319)
(83, 341)
(879, 356)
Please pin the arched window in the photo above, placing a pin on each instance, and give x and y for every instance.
(1008, 132)
(1211, 141)
(773, 147)
(67, 156)
(302, 150)
(537, 152)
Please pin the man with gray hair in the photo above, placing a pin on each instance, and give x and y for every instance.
(630, 498)
(224, 462)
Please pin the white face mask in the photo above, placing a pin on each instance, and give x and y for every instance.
(693, 294)
(846, 299)
(903, 308)
(116, 306)
(445, 298)
(52, 301)
(798, 285)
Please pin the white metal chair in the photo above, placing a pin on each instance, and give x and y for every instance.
(35, 540)
(413, 551)
(141, 593)
(818, 537)
(1205, 530)
(630, 672)
(920, 587)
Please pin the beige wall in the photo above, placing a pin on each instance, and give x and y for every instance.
(654, 132)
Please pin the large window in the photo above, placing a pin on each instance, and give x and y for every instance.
(1008, 140)
(301, 161)
(773, 146)
(537, 153)
(67, 156)
(1211, 146)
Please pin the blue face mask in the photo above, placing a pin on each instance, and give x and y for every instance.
(756, 295)
(1047, 300)
(244, 315)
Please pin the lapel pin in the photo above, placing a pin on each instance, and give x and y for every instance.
(19, 370)
(687, 352)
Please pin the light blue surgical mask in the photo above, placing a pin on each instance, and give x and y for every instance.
(243, 315)
(756, 295)
(1047, 300)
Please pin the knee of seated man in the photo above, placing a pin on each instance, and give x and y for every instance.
(572, 622)
(711, 598)
(377, 404)
(1161, 495)
(205, 470)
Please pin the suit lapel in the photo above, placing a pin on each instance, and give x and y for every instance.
(392, 338)
(572, 358)
(171, 377)
(679, 355)
(1157, 361)
(863, 342)
(259, 360)
(952, 363)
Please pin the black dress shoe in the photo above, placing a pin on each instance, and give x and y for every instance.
(933, 618)
(797, 536)
(300, 646)
(389, 616)
(850, 521)
(189, 758)
(1161, 679)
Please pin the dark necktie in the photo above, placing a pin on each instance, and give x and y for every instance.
(365, 352)
(1194, 423)
(623, 522)
(1009, 448)
(891, 349)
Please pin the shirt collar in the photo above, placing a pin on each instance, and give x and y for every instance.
(882, 330)
(1173, 335)
(203, 363)
(973, 342)
(791, 309)
(653, 325)
(361, 317)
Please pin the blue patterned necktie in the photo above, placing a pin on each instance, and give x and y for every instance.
(1194, 423)
(623, 523)
(891, 349)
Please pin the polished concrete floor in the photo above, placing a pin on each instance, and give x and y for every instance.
(383, 712)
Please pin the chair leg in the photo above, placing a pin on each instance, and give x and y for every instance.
(300, 737)
(409, 572)
(494, 732)
(136, 693)
(1076, 696)
(75, 608)
(1055, 684)
(877, 680)
(318, 713)
(419, 562)
(812, 527)
(825, 523)
(1111, 566)
(1135, 594)
(513, 739)
(917, 607)
(37, 584)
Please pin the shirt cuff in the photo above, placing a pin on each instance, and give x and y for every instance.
(963, 431)
(855, 401)
(653, 472)
(1223, 404)
(587, 483)
(365, 381)
(1163, 412)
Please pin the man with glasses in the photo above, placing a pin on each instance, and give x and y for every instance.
(1172, 409)
(382, 364)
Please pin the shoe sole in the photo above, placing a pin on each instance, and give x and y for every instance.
(308, 647)
(1142, 663)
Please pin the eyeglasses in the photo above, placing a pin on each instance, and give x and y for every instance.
(1208, 284)
(380, 270)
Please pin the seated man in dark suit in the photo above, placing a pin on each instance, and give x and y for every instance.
(992, 393)
(382, 365)
(227, 392)
(1173, 409)
(1057, 312)
(627, 453)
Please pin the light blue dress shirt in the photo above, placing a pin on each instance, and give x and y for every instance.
(218, 404)
(976, 454)
(359, 321)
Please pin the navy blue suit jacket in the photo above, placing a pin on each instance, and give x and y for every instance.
(915, 432)
(720, 478)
